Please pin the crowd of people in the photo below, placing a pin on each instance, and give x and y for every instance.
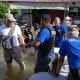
(64, 36)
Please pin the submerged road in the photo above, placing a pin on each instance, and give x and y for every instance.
(29, 60)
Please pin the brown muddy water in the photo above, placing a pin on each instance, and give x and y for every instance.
(15, 73)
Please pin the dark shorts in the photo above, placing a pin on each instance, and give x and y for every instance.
(75, 74)
(10, 54)
(42, 65)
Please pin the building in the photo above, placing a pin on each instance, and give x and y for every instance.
(30, 9)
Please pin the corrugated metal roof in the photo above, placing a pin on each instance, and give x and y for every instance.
(44, 0)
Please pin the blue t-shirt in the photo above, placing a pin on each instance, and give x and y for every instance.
(71, 48)
(44, 34)
(60, 30)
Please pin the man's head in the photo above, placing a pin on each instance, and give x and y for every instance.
(9, 19)
(45, 20)
(67, 18)
(72, 31)
(68, 21)
(57, 21)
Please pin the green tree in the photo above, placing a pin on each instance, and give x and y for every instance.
(3, 9)
(14, 12)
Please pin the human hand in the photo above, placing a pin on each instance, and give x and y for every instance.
(53, 33)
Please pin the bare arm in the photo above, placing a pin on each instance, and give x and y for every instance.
(22, 44)
(35, 43)
(21, 40)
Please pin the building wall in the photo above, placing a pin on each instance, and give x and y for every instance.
(54, 9)
(56, 13)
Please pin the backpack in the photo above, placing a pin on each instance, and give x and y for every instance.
(29, 35)
(7, 42)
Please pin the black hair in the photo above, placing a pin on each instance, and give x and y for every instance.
(46, 17)
(28, 25)
(36, 26)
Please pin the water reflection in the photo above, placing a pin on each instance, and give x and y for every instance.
(15, 73)
(11, 75)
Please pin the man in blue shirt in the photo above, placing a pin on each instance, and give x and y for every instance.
(43, 42)
(71, 48)
(60, 31)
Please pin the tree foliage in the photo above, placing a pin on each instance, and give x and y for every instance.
(3, 9)
(14, 12)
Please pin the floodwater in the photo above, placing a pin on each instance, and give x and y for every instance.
(15, 73)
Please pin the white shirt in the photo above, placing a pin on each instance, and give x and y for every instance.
(4, 30)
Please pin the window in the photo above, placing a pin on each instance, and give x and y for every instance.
(75, 11)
